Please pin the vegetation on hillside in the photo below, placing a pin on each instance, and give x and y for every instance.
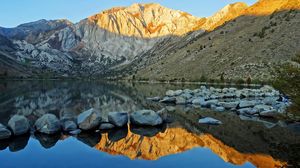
(289, 82)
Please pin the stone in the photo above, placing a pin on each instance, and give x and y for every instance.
(145, 117)
(106, 126)
(229, 105)
(269, 113)
(168, 100)
(89, 119)
(69, 125)
(246, 103)
(212, 102)
(170, 108)
(119, 119)
(219, 109)
(75, 132)
(199, 101)
(180, 100)
(178, 92)
(186, 95)
(270, 100)
(249, 111)
(4, 132)
(209, 121)
(47, 124)
(170, 93)
(262, 107)
(155, 99)
(19, 125)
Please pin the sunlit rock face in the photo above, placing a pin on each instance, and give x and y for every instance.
(178, 140)
(146, 21)
(227, 13)
(267, 7)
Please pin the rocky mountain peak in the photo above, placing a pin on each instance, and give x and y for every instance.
(227, 13)
(146, 21)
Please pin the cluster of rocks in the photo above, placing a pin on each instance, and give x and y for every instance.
(263, 102)
(87, 120)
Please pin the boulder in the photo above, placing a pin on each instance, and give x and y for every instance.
(119, 119)
(19, 125)
(180, 100)
(262, 107)
(75, 132)
(170, 93)
(145, 117)
(270, 100)
(89, 119)
(269, 113)
(249, 111)
(229, 105)
(69, 126)
(155, 99)
(210, 121)
(168, 100)
(4, 132)
(106, 126)
(47, 124)
(246, 103)
(219, 109)
(212, 102)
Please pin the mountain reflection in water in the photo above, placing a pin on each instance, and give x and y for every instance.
(236, 141)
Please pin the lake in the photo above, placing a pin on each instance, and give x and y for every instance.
(238, 142)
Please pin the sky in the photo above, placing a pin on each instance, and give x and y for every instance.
(15, 12)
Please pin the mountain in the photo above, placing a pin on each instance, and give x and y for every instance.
(99, 43)
(148, 41)
(253, 45)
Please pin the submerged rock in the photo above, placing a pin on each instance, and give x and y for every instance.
(210, 121)
(115, 135)
(119, 119)
(145, 131)
(19, 125)
(89, 119)
(4, 132)
(145, 117)
(48, 124)
(18, 143)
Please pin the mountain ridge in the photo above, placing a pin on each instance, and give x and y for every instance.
(104, 44)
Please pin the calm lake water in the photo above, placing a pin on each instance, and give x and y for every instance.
(239, 142)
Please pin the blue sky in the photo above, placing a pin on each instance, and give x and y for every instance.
(15, 12)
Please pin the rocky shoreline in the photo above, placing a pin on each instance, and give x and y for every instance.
(90, 120)
(260, 102)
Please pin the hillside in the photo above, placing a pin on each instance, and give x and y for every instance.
(250, 46)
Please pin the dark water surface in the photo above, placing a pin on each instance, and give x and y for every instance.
(182, 143)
